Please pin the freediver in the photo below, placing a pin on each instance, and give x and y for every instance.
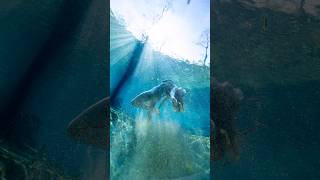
(164, 91)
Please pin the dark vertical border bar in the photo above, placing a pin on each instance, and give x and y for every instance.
(108, 86)
(212, 27)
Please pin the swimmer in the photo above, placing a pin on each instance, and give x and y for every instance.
(166, 90)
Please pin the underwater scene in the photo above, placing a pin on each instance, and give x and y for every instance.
(261, 121)
(53, 66)
(159, 90)
(266, 66)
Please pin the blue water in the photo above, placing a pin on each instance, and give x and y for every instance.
(171, 145)
(272, 56)
(154, 67)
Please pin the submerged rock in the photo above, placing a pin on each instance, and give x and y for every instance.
(91, 126)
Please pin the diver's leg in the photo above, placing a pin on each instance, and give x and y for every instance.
(141, 99)
(152, 109)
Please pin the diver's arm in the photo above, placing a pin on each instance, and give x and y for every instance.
(172, 93)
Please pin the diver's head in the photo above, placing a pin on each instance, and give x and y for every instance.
(178, 104)
(180, 92)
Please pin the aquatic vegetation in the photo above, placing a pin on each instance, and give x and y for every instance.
(24, 165)
(19, 156)
(122, 140)
(143, 149)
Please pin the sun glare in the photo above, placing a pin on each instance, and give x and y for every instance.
(176, 33)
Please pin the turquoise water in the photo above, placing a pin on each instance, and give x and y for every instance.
(173, 144)
(52, 68)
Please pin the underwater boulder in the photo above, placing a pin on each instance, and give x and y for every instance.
(91, 126)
